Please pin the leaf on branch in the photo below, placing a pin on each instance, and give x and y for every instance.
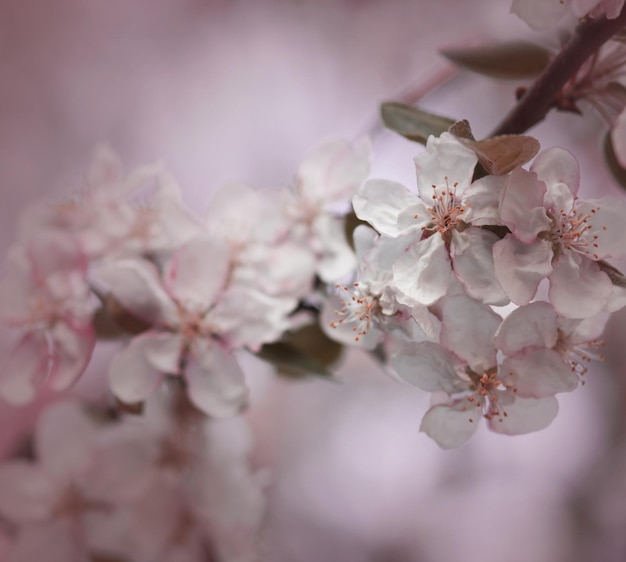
(413, 123)
(303, 353)
(498, 155)
(514, 60)
(615, 275)
(619, 173)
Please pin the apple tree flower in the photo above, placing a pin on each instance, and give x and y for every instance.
(556, 235)
(463, 372)
(442, 227)
(543, 14)
(197, 319)
(45, 297)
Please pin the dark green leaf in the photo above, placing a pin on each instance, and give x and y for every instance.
(515, 60)
(413, 123)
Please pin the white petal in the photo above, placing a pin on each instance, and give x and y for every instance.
(215, 382)
(444, 162)
(450, 426)
(380, 202)
(137, 286)
(521, 267)
(423, 271)
(333, 171)
(467, 329)
(426, 365)
(532, 325)
(526, 415)
(336, 259)
(540, 372)
(197, 272)
(482, 200)
(472, 258)
(578, 288)
(138, 369)
(522, 205)
(608, 224)
(540, 14)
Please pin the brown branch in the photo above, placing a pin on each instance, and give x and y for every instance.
(533, 107)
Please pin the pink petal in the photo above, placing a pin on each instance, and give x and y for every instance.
(136, 284)
(215, 381)
(138, 369)
(64, 437)
(522, 205)
(606, 219)
(25, 371)
(557, 166)
(532, 325)
(71, 354)
(450, 426)
(483, 200)
(578, 288)
(540, 372)
(197, 272)
(520, 267)
(526, 415)
(27, 493)
(335, 258)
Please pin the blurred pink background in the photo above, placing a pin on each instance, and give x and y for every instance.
(220, 89)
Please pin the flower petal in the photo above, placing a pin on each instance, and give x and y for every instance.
(533, 325)
(197, 272)
(526, 415)
(72, 352)
(557, 166)
(26, 492)
(450, 426)
(215, 381)
(521, 267)
(137, 370)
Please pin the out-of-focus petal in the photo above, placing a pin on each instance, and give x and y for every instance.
(71, 354)
(540, 14)
(138, 369)
(197, 272)
(215, 381)
(136, 284)
(27, 493)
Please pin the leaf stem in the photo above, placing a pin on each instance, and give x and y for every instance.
(589, 36)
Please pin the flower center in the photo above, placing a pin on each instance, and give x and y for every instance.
(359, 308)
(446, 211)
(571, 231)
(485, 391)
(577, 355)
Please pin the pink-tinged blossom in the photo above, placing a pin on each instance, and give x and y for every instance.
(44, 295)
(198, 318)
(442, 227)
(323, 186)
(263, 251)
(558, 236)
(117, 213)
(363, 312)
(61, 502)
(544, 14)
(463, 371)
(547, 347)
(618, 138)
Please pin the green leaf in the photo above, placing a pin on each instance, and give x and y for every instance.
(303, 353)
(619, 173)
(413, 123)
(514, 60)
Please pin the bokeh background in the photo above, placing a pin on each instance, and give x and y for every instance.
(220, 90)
